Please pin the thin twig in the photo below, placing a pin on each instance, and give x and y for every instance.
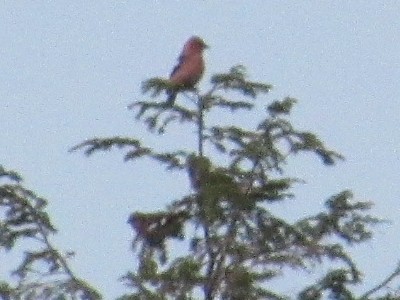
(383, 283)
(201, 126)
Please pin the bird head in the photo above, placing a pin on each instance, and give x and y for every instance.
(195, 44)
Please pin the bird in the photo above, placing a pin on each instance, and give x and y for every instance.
(190, 67)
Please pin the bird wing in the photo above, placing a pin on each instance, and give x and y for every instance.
(181, 59)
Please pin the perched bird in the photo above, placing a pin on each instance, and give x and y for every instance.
(189, 69)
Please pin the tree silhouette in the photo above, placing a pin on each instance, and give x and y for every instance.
(234, 243)
(24, 224)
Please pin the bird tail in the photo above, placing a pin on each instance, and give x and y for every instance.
(171, 97)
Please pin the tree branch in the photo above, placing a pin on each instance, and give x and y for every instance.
(384, 283)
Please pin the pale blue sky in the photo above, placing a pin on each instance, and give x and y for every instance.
(70, 68)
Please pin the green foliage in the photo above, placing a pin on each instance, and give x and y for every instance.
(235, 244)
(43, 272)
(235, 80)
(231, 244)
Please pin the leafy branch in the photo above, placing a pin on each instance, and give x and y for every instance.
(44, 272)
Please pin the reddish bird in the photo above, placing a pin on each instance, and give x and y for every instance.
(190, 67)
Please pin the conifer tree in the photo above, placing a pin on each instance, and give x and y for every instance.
(234, 244)
(44, 272)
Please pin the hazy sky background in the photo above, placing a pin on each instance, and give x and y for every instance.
(68, 69)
